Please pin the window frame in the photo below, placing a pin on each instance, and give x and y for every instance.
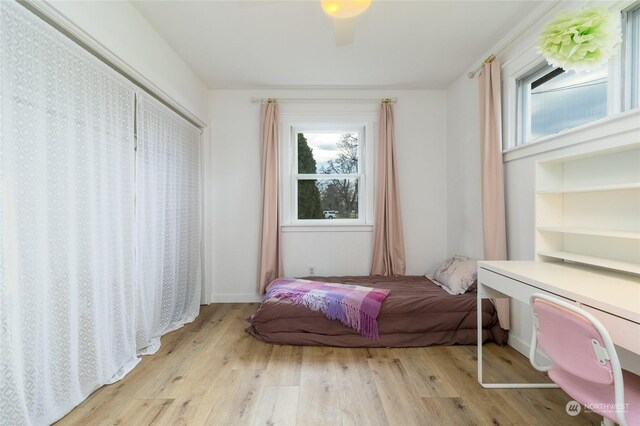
(524, 97)
(297, 177)
(631, 57)
(289, 176)
(526, 62)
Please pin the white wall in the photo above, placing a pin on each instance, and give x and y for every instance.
(464, 226)
(120, 28)
(235, 210)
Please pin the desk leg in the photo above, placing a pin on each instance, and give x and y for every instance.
(481, 292)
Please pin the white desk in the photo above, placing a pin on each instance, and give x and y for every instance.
(612, 297)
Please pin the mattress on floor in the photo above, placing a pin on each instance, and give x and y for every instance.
(415, 313)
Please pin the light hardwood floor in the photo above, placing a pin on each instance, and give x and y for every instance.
(212, 372)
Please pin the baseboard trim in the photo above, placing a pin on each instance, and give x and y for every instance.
(235, 298)
(519, 345)
(524, 346)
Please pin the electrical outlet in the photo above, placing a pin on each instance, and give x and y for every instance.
(312, 270)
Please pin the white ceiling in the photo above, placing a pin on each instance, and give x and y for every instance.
(398, 44)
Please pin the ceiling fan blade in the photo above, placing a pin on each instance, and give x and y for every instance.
(344, 30)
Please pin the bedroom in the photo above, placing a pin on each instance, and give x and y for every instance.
(206, 68)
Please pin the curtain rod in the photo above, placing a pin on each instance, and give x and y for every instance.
(526, 28)
(385, 100)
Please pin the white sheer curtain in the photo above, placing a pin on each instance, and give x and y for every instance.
(168, 221)
(99, 245)
(67, 324)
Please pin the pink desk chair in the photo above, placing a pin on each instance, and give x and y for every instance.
(585, 363)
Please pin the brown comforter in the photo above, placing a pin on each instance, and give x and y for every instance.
(415, 313)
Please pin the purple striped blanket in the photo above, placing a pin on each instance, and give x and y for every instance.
(354, 306)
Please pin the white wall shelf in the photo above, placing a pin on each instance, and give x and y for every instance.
(588, 231)
(596, 188)
(593, 260)
(588, 209)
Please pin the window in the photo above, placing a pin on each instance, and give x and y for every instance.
(551, 100)
(548, 100)
(325, 172)
(328, 174)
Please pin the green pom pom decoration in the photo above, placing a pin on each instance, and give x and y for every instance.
(580, 40)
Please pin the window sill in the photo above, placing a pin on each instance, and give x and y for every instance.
(326, 228)
(616, 125)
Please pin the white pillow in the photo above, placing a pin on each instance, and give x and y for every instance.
(456, 274)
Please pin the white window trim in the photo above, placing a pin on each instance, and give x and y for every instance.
(327, 228)
(630, 66)
(292, 122)
(523, 99)
(616, 130)
(360, 176)
(522, 66)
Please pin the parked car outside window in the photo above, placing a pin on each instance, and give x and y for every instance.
(330, 214)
